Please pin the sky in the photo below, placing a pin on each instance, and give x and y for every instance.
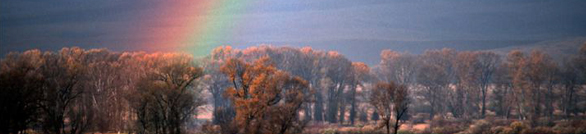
(197, 26)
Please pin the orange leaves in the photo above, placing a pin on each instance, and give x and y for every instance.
(389, 55)
(233, 68)
(263, 96)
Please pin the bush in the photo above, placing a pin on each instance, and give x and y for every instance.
(517, 127)
(405, 132)
(447, 130)
(419, 118)
(443, 126)
(538, 130)
(330, 131)
(544, 121)
(508, 130)
(499, 130)
(570, 127)
(479, 127)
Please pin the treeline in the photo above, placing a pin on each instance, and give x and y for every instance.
(76, 91)
(279, 89)
(442, 83)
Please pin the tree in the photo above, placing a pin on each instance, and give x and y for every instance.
(266, 100)
(21, 83)
(538, 66)
(166, 98)
(390, 100)
(515, 64)
(336, 63)
(399, 67)
(464, 100)
(216, 84)
(487, 63)
(104, 98)
(360, 72)
(502, 98)
(62, 71)
(435, 74)
(571, 72)
(304, 63)
(315, 81)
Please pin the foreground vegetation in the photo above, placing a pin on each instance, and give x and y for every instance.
(288, 90)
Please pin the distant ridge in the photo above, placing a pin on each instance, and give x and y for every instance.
(558, 49)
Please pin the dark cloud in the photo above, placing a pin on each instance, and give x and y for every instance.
(26, 24)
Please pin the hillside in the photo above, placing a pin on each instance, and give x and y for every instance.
(558, 49)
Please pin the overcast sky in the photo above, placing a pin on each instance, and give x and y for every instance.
(116, 24)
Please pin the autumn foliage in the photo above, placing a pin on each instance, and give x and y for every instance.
(266, 100)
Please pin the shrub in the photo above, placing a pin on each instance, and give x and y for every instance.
(507, 130)
(442, 125)
(499, 130)
(544, 121)
(479, 127)
(447, 130)
(538, 130)
(405, 132)
(570, 127)
(517, 127)
(330, 131)
(419, 118)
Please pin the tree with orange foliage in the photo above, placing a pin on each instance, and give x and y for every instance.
(266, 99)
(539, 65)
(515, 63)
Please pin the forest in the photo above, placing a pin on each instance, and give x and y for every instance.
(267, 89)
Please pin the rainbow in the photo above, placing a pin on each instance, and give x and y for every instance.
(192, 26)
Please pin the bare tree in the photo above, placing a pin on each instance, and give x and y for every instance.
(572, 74)
(502, 96)
(166, 99)
(436, 73)
(63, 71)
(487, 63)
(399, 67)
(390, 100)
(337, 64)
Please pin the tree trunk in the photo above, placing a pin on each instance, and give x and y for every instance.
(331, 108)
(396, 130)
(388, 125)
(483, 102)
(318, 109)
